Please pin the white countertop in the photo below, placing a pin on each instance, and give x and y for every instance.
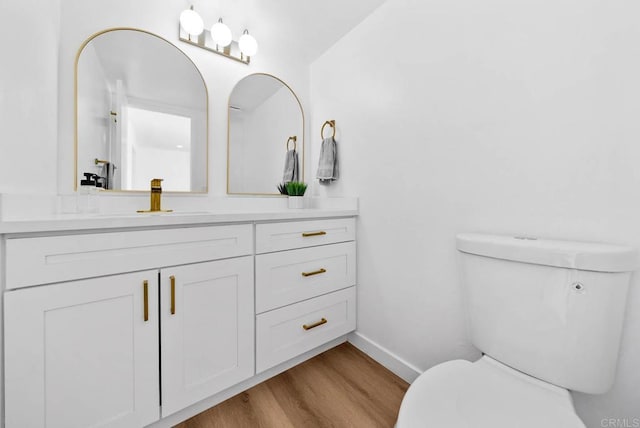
(73, 222)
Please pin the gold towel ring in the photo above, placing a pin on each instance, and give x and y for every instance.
(332, 124)
(294, 139)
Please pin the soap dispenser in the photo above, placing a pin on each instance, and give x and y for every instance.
(88, 194)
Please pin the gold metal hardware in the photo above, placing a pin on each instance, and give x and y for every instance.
(156, 195)
(308, 234)
(294, 139)
(315, 272)
(145, 291)
(97, 161)
(173, 294)
(315, 324)
(332, 124)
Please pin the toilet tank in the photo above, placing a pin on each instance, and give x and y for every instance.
(551, 309)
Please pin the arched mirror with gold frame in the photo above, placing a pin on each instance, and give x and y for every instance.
(266, 121)
(141, 113)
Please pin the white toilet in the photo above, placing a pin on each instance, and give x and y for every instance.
(547, 316)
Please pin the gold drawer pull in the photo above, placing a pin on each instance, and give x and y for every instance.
(308, 234)
(315, 272)
(315, 324)
(145, 292)
(173, 294)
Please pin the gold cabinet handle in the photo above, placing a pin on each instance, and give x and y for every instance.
(145, 292)
(315, 324)
(173, 294)
(308, 234)
(315, 272)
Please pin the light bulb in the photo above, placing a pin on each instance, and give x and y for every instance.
(221, 34)
(191, 22)
(248, 44)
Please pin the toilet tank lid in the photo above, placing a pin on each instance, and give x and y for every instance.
(567, 254)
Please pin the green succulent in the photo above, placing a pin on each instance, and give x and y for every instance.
(296, 188)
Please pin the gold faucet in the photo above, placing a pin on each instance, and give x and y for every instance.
(156, 194)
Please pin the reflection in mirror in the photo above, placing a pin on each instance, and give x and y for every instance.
(264, 113)
(141, 113)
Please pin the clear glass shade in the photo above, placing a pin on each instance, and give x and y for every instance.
(191, 22)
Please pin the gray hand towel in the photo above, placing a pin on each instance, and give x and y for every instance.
(328, 164)
(291, 167)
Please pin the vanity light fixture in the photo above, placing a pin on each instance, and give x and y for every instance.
(218, 39)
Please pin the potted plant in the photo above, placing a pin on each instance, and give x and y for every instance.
(282, 188)
(295, 190)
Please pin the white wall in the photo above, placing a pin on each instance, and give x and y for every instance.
(493, 116)
(29, 35)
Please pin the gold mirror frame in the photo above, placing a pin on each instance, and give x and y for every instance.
(229, 134)
(75, 109)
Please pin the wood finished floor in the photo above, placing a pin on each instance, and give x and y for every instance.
(342, 387)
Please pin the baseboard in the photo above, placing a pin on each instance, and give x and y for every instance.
(382, 355)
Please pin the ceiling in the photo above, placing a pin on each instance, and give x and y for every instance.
(305, 28)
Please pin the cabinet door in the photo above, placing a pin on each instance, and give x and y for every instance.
(81, 354)
(207, 318)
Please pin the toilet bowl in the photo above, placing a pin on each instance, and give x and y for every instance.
(547, 316)
(484, 394)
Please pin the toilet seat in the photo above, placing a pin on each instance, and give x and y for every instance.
(484, 394)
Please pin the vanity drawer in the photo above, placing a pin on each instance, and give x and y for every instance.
(291, 276)
(41, 260)
(299, 234)
(284, 333)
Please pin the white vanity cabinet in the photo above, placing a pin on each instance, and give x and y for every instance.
(92, 352)
(147, 326)
(305, 287)
(83, 353)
